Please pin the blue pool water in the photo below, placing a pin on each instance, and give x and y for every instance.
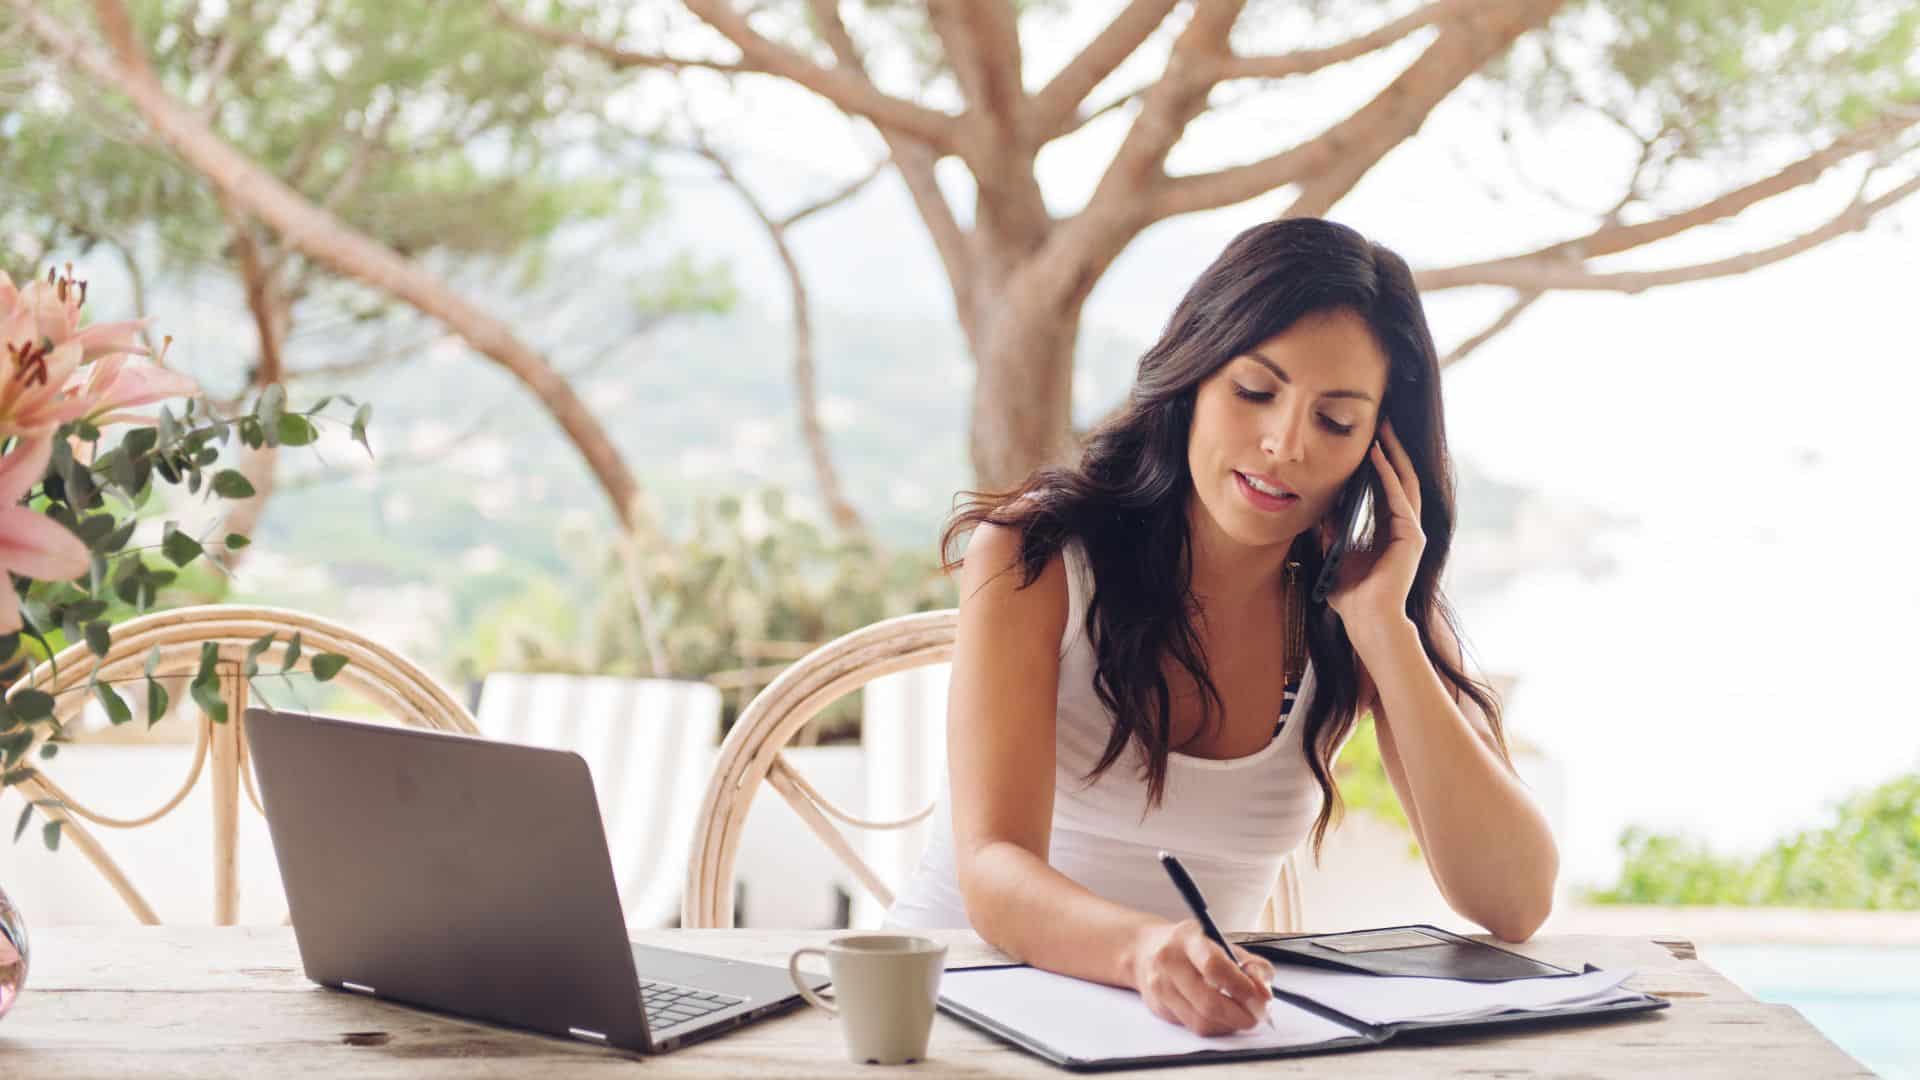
(1865, 998)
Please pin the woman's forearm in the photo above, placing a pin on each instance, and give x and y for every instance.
(1039, 916)
(1491, 847)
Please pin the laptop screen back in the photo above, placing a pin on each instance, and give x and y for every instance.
(450, 872)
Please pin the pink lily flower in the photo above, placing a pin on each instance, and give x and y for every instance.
(31, 544)
(114, 385)
(34, 392)
(49, 311)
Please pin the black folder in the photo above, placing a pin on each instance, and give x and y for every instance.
(1417, 950)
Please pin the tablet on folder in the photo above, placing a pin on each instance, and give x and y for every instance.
(1369, 986)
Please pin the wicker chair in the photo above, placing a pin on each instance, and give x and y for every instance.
(396, 684)
(751, 755)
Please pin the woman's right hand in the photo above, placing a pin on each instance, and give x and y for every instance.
(1185, 979)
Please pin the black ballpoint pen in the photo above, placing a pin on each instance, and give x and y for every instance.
(1197, 904)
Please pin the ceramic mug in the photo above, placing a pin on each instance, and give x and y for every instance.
(884, 990)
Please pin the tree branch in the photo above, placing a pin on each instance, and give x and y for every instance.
(614, 55)
(982, 43)
(914, 161)
(1613, 238)
(853, 93)
(835, 198)
(1521, 302)
(1169, 105)
(138, 280)
(812, 431)
(223, 55)
(1088, 117)
(1308, 61)
(1574, 277)
(1055, 106)
(1327, 166)
(262, 300)
(323, 238)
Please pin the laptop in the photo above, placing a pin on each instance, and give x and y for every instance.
(471, 877)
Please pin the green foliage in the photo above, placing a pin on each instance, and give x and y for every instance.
(1868, 858)
(748, 577)
(1716, 80)
(101, 496)
(442, 136)
(1362, 779)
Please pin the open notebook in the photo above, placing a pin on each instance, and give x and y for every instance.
(1331, 992)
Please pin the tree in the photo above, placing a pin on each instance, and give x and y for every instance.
(354, 147)
(1773, 93)
(840, 510)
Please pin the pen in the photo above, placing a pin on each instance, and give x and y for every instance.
(1197, 904)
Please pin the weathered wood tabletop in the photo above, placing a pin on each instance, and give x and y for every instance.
(209, 1002)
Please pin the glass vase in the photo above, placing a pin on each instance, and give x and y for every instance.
(13, 953)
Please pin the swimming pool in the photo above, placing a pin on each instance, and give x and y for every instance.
(1865, 998)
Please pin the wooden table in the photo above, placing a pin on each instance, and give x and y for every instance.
(231, 1002)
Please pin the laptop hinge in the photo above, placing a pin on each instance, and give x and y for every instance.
(357, 988)
(590, 1036)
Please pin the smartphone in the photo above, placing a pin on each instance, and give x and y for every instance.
(1353, 510)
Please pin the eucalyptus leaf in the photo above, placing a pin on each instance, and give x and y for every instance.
(117, 539)
(207, 696)
(14, 746)
(30, 704)
(99, 638)
(157, 701)
(138, 441)
(180, 548)
(118, 711)
(206, 684)
(361, 417)
(236, 541)
(50, 833)
(272, 404)
(125, 472)
(232, 484)
(327, 665)
(293, 653)
(20, 827)
(297, 430)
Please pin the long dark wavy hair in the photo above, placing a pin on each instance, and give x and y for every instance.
(1126, 499)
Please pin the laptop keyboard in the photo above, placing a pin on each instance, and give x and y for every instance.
(669, 1006)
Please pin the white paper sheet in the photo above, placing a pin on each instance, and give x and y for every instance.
(1094, 1022)
(1387, 999)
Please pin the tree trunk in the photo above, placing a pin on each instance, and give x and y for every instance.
(272, 313)
(1022, 409)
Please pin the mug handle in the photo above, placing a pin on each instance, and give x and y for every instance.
(800, 984)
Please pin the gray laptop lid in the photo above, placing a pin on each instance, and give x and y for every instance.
(449, 872)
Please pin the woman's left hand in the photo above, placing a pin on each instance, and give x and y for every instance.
(1372, 588)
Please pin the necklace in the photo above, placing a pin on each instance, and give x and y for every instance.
(1296, 630)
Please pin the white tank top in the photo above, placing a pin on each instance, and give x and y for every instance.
(1231, 821)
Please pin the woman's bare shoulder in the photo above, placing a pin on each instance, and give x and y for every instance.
(993, 579)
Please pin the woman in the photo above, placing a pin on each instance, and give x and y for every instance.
(1131, 627)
